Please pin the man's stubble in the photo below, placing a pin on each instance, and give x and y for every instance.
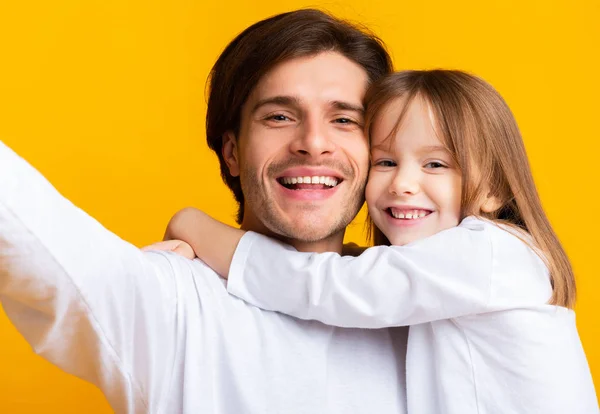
(312, 227)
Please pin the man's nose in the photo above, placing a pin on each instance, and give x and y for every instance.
(405, 182)
(314, 139)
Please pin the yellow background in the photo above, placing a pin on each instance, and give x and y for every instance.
(106, 98)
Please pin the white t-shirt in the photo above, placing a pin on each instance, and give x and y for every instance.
(482, 338)
(160, 334)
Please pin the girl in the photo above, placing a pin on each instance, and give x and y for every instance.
(468, 258)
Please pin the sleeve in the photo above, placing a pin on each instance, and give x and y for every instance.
(84, 299)
(443, 276)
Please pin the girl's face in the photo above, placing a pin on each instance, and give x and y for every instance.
(414, 187)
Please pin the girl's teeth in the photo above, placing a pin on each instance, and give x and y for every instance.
(409, 215)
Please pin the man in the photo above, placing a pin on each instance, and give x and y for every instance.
(159, 333)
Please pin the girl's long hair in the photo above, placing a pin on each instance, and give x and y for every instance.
(481, 133)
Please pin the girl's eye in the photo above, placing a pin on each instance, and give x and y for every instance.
(435, 164)
(385, 163)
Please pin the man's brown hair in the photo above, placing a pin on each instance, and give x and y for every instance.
(264, 45)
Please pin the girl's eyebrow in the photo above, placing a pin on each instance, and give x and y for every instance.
(428, 148)
(382, 146)
(433, 148)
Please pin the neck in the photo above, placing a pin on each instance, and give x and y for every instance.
(332, 243)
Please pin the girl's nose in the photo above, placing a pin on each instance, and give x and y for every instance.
(405, 182)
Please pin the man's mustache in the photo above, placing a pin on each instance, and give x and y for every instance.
(276, 169)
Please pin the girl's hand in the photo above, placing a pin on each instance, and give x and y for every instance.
(211, 241)
(176, 246)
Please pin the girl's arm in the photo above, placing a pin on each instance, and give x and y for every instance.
(212, 241)
(444, 276)
(192, 233)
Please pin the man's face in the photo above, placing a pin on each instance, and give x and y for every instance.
(301, 153)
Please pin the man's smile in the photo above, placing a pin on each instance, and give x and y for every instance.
(309, 187)
(310, 182)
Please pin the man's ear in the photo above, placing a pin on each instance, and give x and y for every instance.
(491, 204)
(230, 153)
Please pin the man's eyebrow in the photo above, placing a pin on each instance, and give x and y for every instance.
(346, 106)
(283, 100)
(292, 101)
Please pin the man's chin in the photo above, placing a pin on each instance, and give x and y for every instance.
(314, 235)
(307, 230)
(306, 222)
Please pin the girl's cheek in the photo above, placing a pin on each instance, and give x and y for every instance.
(369, 193)
(372, 193)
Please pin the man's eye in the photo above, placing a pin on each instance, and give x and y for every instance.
(435, 164)
(277, 118)
(344, 121)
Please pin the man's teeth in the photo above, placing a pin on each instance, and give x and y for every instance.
(408, 214)
(328, 181)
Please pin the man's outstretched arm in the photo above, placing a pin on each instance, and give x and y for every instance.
(84, 299)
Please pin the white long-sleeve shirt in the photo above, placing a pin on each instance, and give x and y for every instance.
(160, 334)
(482, 337)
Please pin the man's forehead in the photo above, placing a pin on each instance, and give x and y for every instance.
(326, 77)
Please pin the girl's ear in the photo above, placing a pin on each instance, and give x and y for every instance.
(230, 153)
(491, 204)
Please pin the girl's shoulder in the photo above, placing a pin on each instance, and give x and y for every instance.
(506, 238)
(504, 235)
(517, 262)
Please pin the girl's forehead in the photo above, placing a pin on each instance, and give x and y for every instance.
(388, 118)
(404, 125)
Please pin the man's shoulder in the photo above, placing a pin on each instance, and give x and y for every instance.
(184, 270)
(199, 288)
